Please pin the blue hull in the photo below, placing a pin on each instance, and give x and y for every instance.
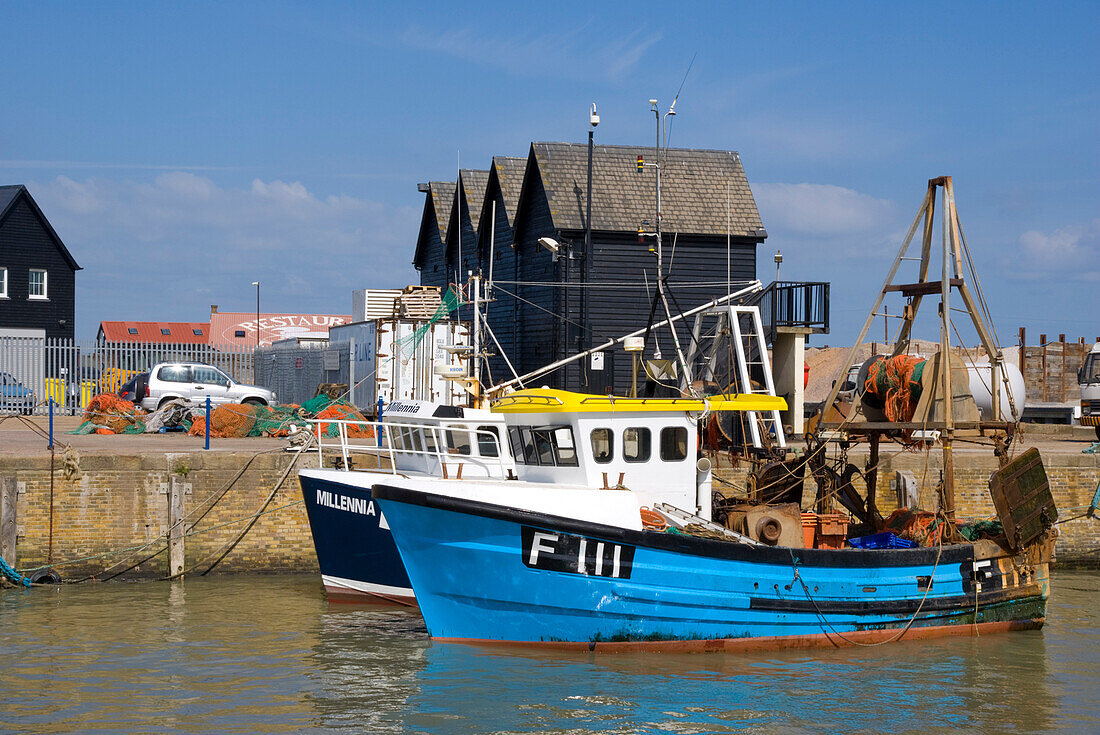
(491, 574)
(355, 552)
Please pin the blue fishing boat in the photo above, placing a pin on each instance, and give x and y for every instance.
(569, 555)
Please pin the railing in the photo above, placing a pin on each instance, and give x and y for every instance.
(431, 441)
(35, 370)
(793, 304)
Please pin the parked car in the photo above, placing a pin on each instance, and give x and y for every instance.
(134, 388)
(14, 396)
(194, 382)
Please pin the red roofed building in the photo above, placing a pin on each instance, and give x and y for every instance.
(168, 333)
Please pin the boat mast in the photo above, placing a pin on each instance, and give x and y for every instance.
(661, 286)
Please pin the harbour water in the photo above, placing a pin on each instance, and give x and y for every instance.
(269, 654)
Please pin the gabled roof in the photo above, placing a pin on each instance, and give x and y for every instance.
(693, 189)
(443, 197)
(438, 201)
(473, 187)
(178, 333)
(510, 176)
(9, 195)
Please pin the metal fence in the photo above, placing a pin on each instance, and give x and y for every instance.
(294, 371)
(34, 370)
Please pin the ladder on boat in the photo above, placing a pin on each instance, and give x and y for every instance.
(742, 326)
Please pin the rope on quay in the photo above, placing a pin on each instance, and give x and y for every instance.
(13, 575)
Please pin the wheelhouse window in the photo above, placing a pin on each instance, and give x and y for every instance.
(486, 444)
(458, 439)
(636, 444)
(36, 284)
(603, 445)
(544, 446)
(674, 443)
(3, 283)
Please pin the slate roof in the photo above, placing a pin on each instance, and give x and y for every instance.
(693, 189)
(510, 175)
(443, 198)
(10, 194)
(474, 182)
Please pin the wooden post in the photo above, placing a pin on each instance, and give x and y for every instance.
(871, 476)
(1023, 354)
(175, 525)
(1043, 365)
(1062, 374)
(9, 498)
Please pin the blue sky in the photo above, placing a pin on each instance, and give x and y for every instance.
(183, 151)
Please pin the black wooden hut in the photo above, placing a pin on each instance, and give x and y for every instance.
(37, 272)
(430, 257)
(607, 291)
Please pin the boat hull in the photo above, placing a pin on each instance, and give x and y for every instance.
(358, 559)
(490, 574)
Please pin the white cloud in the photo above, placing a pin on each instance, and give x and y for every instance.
(568, 53)
(163, 249)
(1071, 252)
(821, 210)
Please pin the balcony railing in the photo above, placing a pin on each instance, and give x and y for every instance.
(802, 304)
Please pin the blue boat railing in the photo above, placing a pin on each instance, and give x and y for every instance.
(442, 443)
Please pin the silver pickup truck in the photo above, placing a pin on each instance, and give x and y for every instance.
(195, 381)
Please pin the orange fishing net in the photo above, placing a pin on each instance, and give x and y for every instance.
(107, 409)
(343, 412)
(921, 527)
(891, 380)
(227, 421)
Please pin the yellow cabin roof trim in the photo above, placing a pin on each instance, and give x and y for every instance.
(549, 400)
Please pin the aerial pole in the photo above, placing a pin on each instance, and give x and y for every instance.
(661, 285)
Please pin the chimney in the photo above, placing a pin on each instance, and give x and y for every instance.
(213, 308)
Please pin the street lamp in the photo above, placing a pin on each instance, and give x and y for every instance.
(778, 260)
(257, 285)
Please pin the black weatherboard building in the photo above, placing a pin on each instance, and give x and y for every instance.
(548, 305)
(37, 272)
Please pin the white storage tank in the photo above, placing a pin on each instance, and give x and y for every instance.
(980, 373)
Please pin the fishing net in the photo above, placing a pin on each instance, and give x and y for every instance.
(975, 530)
(894, 383)
(341, 411)
(274, 420)
(316, 404)
(918, 526)
(108, 411)
(407, 345)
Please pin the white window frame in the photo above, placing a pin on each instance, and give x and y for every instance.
(3, 283)
(45, 295)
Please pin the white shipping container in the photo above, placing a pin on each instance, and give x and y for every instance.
(386, 364)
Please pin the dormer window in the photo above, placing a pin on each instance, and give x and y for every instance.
(36, 284)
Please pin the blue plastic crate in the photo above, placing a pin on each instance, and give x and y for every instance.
(884, 540)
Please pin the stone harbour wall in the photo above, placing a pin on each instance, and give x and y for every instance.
(121, 501)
